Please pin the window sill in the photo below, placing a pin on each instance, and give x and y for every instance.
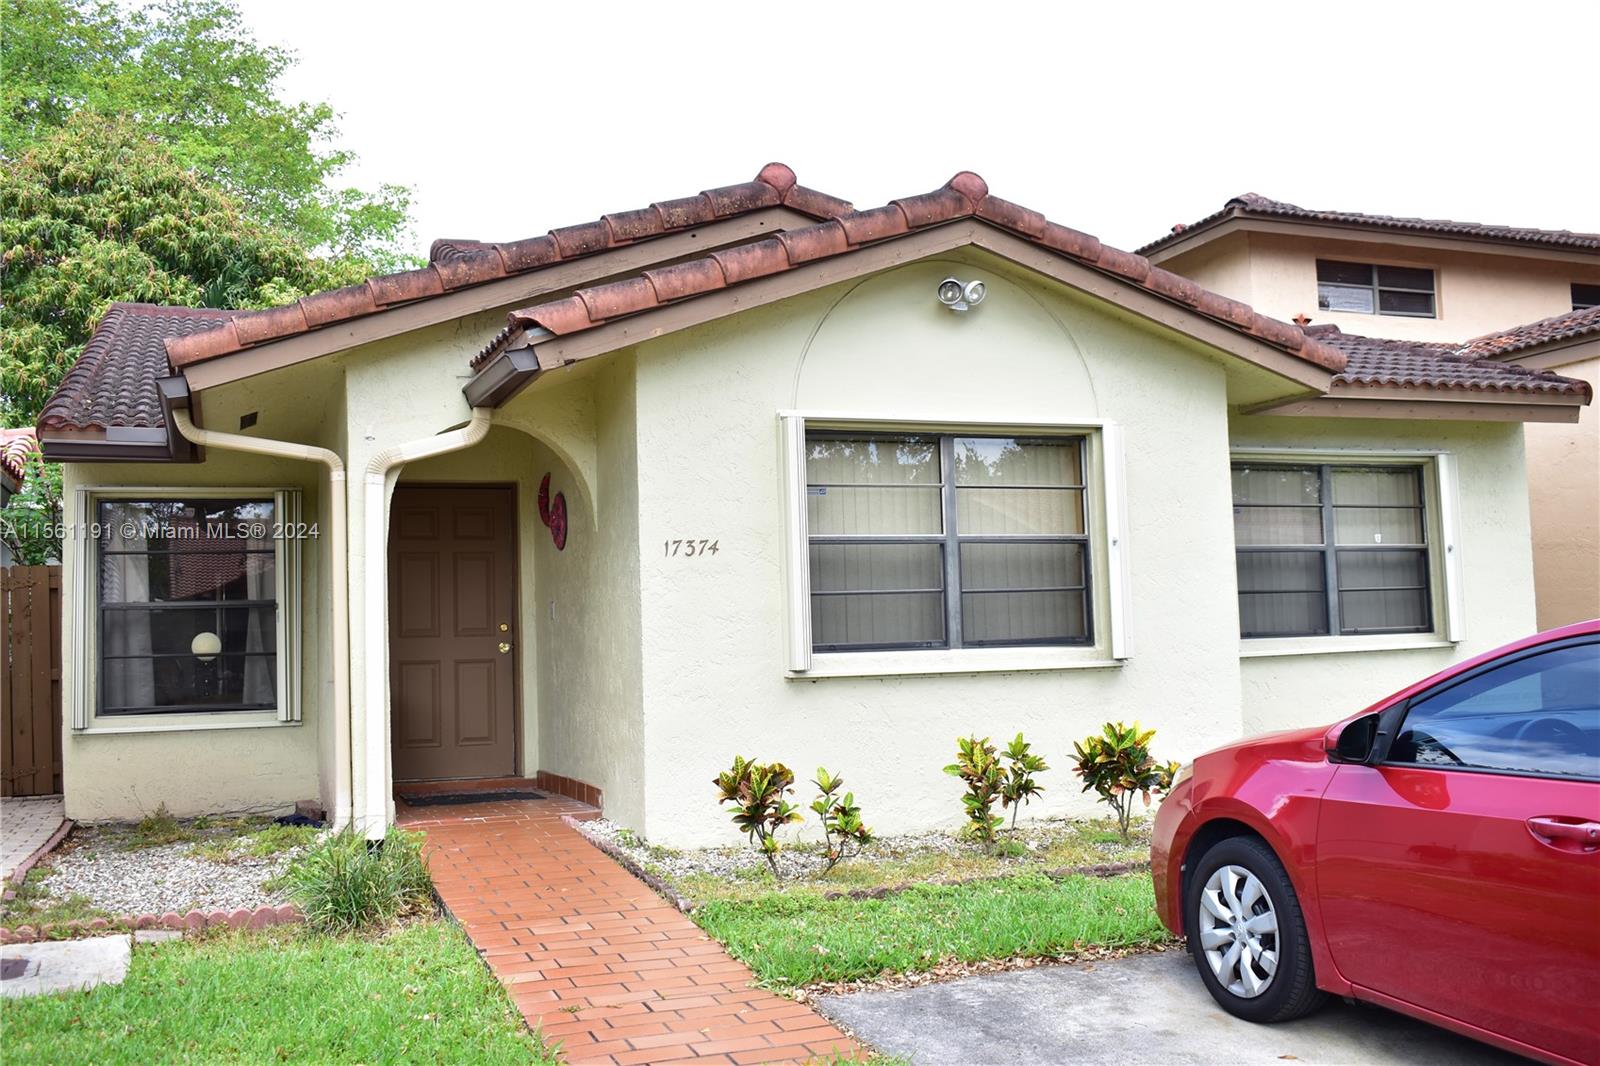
(953, 661)
(1277, 646)
(183, 724)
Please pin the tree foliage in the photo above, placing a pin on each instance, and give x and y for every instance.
(188, 73)
(98, 212)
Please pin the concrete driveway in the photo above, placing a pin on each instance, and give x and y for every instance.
(1146, 1009)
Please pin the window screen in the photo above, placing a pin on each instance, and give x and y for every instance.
(1330, 549)
(1366, 288)
(931, 541)
(188, 605)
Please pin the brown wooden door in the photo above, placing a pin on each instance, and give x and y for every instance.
(452, 587)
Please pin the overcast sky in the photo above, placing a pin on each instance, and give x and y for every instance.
(1120, 119)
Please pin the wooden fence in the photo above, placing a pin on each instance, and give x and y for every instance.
(30, 681)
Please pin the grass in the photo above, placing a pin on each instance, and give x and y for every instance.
(256, 843)
(797, 937)
(419, 994)
(158, 828)
(35, 905)
(1056, 846)
(343, 884)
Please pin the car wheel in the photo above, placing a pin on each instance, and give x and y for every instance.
(1247, 935)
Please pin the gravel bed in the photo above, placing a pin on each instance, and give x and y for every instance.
(801, 859)
(97, 863)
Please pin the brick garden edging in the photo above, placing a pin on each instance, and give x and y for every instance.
(20, 874)
(192, 922)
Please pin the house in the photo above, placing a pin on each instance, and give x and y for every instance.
(1449, 289)
(755, 472)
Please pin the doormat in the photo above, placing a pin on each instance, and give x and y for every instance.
(449, 799)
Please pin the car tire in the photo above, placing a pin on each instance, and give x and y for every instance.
(1253, 973)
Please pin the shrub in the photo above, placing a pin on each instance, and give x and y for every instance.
(977, 766)
(1117, 764)
(344, 885)
(842, 829)
(757, 791)
(1019, 786)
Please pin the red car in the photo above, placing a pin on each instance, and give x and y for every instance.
(1437, 854)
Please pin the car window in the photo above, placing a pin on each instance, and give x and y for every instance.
(1538, 715)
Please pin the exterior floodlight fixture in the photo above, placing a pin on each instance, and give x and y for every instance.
(961, 296)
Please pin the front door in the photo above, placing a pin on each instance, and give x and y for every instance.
(452, 608)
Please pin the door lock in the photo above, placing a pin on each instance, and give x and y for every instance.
(505, 627)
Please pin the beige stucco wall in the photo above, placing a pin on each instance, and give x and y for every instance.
(714, 670)
(124, 776)
(1476, 293)
(1564, 494)
(644, 673)
(1289, 690)
(591, 716)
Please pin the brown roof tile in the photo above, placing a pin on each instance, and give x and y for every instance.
(1380, 362)
(814, 242)
(113, 383)
(16, 447)
(1254, 205)
(686, 279)
(623, 298)
(459, 263)
(1570, 326)
(965, 195)
(746, 261)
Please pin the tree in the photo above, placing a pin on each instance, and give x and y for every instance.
(98, 212)
(187, 73)
(30, 522)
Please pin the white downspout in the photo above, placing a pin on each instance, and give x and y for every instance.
(338, 533)
(374, 811)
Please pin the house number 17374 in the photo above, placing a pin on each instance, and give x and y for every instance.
(688, 548)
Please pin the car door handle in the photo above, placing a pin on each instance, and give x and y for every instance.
(1550, 828)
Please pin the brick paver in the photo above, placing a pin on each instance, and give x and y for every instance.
(595, 959)
(25, 826)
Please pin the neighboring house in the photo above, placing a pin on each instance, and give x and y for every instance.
(16, 445)
(739, 473)
(1458, 289)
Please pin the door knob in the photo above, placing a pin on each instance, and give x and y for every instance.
(504, 647)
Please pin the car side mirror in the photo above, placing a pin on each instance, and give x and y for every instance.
(1355, 741)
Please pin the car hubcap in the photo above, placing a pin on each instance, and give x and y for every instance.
(1238, 931)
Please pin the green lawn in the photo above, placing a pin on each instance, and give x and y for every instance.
(797, 937)
(417, 995)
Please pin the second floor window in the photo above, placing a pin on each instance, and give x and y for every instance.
(1370, 289)
(1585, 296)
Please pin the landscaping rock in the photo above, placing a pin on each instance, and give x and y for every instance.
(99, 864)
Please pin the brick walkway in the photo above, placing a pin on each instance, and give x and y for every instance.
(591, 956)
(25, 827)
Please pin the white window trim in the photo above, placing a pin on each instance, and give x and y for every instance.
(1441, 497)
(1107, 535)
(85, 711)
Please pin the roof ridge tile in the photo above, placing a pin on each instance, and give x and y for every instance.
(964, 195)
